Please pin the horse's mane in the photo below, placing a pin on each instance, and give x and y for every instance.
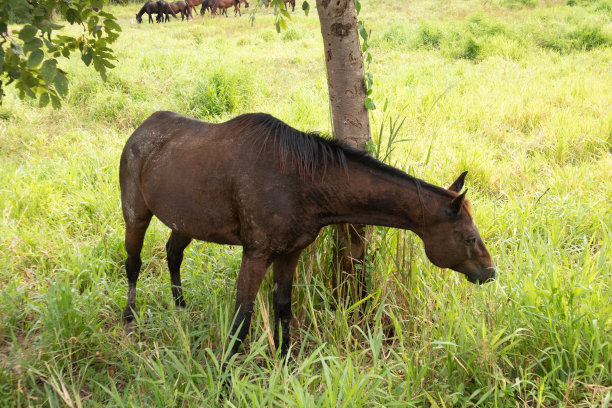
(311, 150)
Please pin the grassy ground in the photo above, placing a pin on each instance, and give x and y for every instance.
(517, 92)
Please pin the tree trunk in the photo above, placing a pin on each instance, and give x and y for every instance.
(347, 93)
(344, 65)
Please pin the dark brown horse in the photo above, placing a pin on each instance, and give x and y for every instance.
(167, 10)
(257, 182)
(206, 5)
(159, 7)
(180, 7)
(225, 4)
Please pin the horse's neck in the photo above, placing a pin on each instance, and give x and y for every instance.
(366, 195)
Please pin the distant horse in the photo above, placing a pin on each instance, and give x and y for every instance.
(159, 7)
(167, 10)
(191, 4)
(225, 4)
(180, 7)
(206, 5)
(292, 2)
(257, 182)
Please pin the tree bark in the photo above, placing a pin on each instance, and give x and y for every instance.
(344, 65)
(351, 125)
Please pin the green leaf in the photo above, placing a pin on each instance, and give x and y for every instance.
(362, 31)
(369, 104)
(49, 70)
(108, 64)
(306, 7)
(31, 81)
(55, 101)
(28, 32)
(71, 15)
(105, 14)
(61, 83)
(285, 13)
(282, 23)
(33, 45)
(44, 100)
(48, 26)
(87, 56)
(20, 9)
(111, 25)
(35, 58)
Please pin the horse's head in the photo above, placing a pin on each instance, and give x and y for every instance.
(138, 19)
(246, 3)
(454, 241)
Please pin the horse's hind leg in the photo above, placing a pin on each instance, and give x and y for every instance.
(135, 230)
(174, 249)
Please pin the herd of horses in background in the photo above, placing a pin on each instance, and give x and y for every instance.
(163, 10)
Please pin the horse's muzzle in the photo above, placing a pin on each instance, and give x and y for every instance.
(481, 278)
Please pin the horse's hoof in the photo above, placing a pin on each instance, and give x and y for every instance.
(129, 327)
(287, 361)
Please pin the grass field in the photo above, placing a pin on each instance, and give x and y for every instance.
(517, 92)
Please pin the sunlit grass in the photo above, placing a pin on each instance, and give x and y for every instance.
(524, 107)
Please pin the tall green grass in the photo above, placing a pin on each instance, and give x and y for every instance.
(517, 93)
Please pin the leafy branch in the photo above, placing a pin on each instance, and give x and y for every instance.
(29, 55)
(367, 58)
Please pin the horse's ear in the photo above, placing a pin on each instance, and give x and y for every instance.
(458, 184)
(457, 203)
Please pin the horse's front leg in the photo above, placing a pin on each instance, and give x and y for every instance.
(284, 269)
(252, 271)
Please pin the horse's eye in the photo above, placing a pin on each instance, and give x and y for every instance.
(470, 241)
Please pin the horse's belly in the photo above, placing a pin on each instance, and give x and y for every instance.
(208, 224)
(196, 207)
